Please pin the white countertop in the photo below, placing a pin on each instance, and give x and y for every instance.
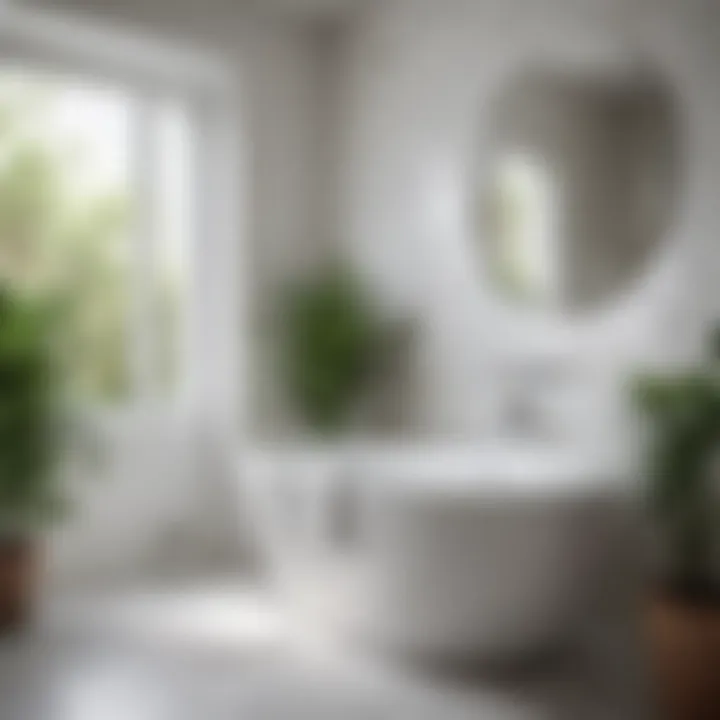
(505, 468)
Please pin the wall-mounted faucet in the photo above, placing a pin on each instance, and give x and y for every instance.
(529, 389)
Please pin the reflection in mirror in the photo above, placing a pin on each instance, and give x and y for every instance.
(581, 185)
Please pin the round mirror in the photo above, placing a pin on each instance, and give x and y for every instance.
(581, 184)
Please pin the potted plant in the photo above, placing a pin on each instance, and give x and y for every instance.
(331, 339)
(30, 492)
(683, 464)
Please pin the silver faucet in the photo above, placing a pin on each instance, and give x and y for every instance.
(523, 411)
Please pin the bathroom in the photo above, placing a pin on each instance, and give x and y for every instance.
(477, 505)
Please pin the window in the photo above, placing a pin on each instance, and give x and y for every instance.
(526, 211)
(96, 211)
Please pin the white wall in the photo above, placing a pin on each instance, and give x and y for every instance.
(419, 75)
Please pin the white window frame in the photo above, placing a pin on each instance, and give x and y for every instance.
(150, 70)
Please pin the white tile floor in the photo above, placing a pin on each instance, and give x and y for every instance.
(219, 652)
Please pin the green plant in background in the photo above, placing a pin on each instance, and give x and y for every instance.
(683, 410)
(330, 337)
(29, 414)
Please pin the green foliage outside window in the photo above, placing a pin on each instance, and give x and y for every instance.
(66, 244)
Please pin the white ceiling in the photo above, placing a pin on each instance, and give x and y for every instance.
(300, 7)
(308, 6)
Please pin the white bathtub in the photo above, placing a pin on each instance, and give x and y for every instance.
(438, 551)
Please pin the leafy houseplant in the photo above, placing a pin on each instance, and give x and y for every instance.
(683, 411)
(29, 401)
(684, 465)
(330, 338)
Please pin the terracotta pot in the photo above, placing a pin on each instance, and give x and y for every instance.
(685, 657)
(18, 570)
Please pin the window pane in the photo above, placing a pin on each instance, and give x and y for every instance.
(527, 255)
(64, 217)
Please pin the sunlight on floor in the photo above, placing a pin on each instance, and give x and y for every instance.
(218, 616)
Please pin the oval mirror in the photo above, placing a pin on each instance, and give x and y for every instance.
(581, 184)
